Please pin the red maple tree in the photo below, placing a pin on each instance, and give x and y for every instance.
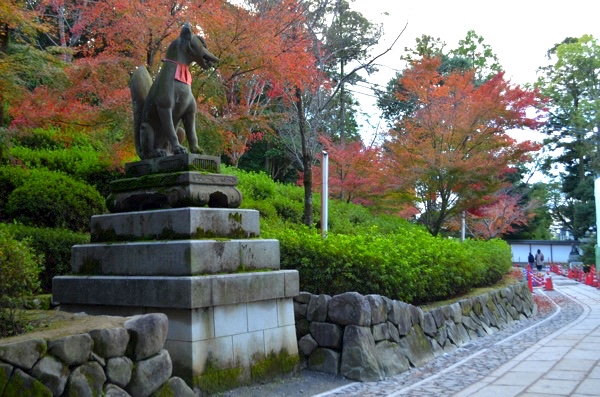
(502, 215)
(450, 148)
(354, 172)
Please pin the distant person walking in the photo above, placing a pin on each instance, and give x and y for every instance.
(530, 260)
(539, 260)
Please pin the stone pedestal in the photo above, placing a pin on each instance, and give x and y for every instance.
(230, 308)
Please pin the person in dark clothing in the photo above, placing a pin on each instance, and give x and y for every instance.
(531, 260)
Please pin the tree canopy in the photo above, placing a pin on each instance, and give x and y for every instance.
(450, 148)
(572, 85)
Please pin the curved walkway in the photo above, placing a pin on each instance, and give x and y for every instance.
(557, 356)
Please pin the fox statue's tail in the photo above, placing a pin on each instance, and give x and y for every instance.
(139, 86)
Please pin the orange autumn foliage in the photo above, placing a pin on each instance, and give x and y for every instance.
(354, 172)
(452, 148)
(262, 47)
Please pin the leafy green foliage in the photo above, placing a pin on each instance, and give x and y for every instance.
(53, 246)
(409, 265)
(572, 85)
(72, 153)
(19, 269)
(52, 199)
(366, 253)
(10, 179)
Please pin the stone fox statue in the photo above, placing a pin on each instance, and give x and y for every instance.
(159, 107)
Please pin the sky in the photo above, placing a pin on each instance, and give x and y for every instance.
(519, 32)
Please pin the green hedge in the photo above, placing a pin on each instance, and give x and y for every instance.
(53, 246)
(19, 269)
(408, 265)
(52, 199)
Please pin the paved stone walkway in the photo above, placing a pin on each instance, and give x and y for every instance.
(557, 356)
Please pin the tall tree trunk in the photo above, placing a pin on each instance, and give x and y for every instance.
(307, 218)
(62, 34)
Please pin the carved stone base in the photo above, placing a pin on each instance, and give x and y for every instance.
(174, 190)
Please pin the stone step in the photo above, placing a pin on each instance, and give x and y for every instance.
(175, 258)
(175, 224)
(172, 292)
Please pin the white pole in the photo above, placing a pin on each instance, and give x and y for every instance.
(597, 199)
(464, 227)
(325, 195)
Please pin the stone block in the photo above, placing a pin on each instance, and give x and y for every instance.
(381, 332)
(292, 283)
(21, 384)
(378, 309)
(118, 370)
(350, 308)
(416, 347)
(327, 334)
(175, 258)
(175, 224)
(281, 339)
(110, 342)
(262, 315)
(174, 163)
(285, 312)
(72, 349)
(174, 387)
(175, 190)
(390, 358)
(149, 374)
(231, 320)
(111, 390)
(147, 335)
(5, 371)
(23, 354)
(248, 348)
(429, 325)
(359, 356)
(86, 380)
(325, 360)
(52, 373)
(318, 307)
(307, 344)
(189, 324)
(172, 292)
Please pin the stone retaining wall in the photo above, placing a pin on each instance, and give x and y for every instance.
(367, 338)
(113, 362)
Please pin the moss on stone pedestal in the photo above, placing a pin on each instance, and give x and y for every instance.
(215, 379)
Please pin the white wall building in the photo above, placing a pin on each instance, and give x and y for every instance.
(556, 251)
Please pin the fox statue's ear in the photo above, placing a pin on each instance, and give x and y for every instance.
(186, 31)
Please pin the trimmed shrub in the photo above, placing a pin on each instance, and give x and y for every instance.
(53, 246)
(82, 162)
(11, 177)
(409, 265)
(19, 270)
(52, 199)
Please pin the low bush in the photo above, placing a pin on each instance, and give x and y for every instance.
(51, 199)
(368, 253)
(409, 265)
(11, 177)
(53, 246)
(19, 270)
(82, 162)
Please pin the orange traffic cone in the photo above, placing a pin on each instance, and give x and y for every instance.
(529, 280)
(549, 286)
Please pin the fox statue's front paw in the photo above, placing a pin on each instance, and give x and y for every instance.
(179, 150)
